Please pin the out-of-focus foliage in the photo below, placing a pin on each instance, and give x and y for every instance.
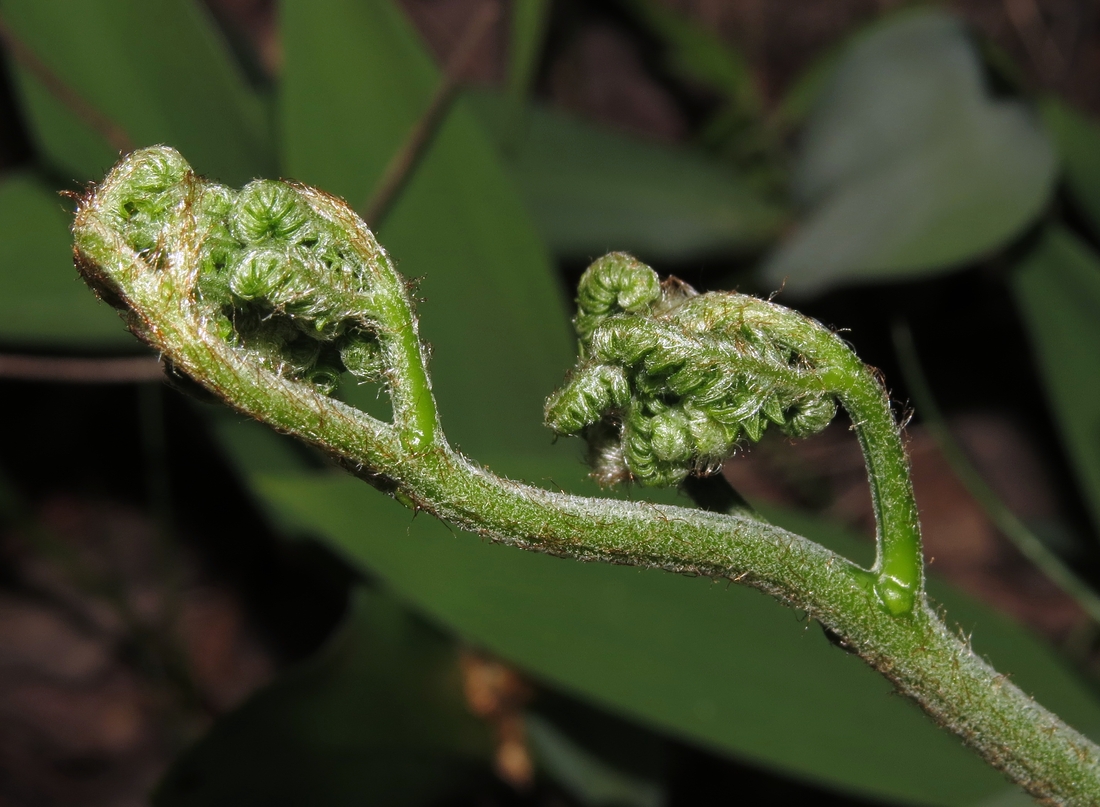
(584, 774)
(590, 190)
(529, 21)
(160, 71)
(376, 718)
(908, 165)
(737, 129)
(698, 54)
(39, 304)
(1057, 287)
(1078, 142)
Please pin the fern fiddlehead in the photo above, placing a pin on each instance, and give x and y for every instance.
(266, 295)
(669, 380)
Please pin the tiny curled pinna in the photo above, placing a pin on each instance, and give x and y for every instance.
(271, 268)
(670, 380)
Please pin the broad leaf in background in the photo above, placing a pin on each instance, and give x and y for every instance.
(159, 70)
(908, 165)
(737, 130)
(1078, 140)
(698, 54)
(772, 690)
(529, 24)
(592, 191)
(491, 309)
(590, 780)
(1057, 289)
(597, 756)
(529, 21)
(377, 718)
(43, 302)
(801, 97)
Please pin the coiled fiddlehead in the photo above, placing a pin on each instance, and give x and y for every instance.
(267, 295)
(681, 376)
(670, 380)
(287, 277)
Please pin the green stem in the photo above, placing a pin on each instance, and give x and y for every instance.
(686, 375)
(924, 659)
(144, 241)
(899, 566)
(900, 562)
(414, 410)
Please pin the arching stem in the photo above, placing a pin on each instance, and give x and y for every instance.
(147, 239)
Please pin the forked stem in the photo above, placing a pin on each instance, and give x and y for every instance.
(265, 295)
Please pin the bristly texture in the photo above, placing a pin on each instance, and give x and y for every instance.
(274, 275)
(265, 296)
(672, 379)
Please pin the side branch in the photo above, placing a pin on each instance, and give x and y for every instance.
(265, 296)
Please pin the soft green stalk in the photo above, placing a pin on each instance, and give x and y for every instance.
(266, 295)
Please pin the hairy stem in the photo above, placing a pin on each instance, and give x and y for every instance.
(263, 295)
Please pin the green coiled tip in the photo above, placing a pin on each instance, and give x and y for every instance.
(286, 275)
(615, 283)
(670, 380)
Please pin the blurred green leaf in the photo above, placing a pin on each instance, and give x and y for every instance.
(1057, 289)
(803, 93)
(592, 191)
(43, 302)
(698, 54)
(377, 718)
(591, 749)
(1078, 140)
(736, 130)
(529, 21)
(908, 166)
(252, 446)
(491, 306)
(1015, 797)
(772, 690)
(588, 778)
(159, 70)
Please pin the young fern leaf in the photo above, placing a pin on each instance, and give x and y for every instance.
(681, 375)
(266, 295)
(670, 380)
